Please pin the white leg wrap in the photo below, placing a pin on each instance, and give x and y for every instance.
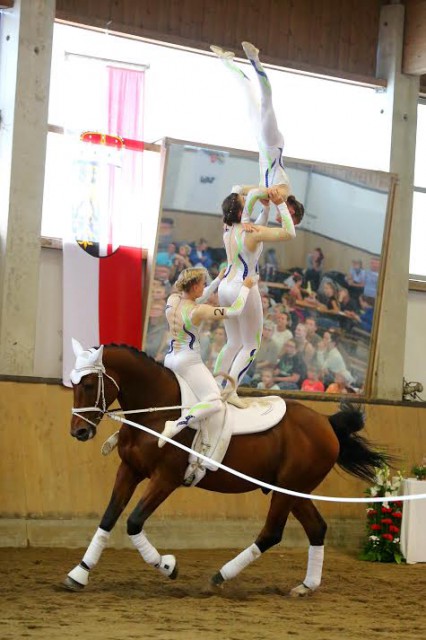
(148, 552)
(165, 564)
(79, 574)
(246, 557)
(314, 570)
(95, 548)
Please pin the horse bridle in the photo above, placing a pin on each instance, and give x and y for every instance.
(100, 396)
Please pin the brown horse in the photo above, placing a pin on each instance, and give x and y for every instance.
(295, 454)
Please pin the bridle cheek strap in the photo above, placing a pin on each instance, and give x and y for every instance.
(100, 403)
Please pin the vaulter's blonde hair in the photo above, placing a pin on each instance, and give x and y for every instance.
(190, 276)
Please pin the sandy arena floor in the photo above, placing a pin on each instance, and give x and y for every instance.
(126, 599)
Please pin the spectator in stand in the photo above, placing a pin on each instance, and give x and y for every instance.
(349, 307)
(200, 255)
(162, 274)
(295, 314)
(166, 258)
(270, 264)
(304, 347)
(328, 302)
(328, 299)
(311, 331)
(290, 370)
(328, 357)
(356, 276)
(157, 337)
(312, 381)
(341, 384)
(165, 234)
(216, 346)
(267, 354)
(296, 289)
(372, 278)
(181, 261)
(366, 313)
(282, 333)
(267, 380)
(314, 268)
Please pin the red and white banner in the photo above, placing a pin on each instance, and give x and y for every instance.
(102, 274)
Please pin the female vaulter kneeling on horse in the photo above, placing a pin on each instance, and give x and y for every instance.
(184, 314)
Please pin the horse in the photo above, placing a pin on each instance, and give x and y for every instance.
(296, 454)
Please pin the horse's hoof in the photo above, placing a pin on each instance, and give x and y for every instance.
(174, 574)
(72, 585)
(217, 580)
(301, 591)
(168, 567)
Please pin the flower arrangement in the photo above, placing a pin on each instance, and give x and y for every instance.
(419, 470)
(384, 519)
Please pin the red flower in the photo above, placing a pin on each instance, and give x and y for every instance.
(386, 510)
(375, 527)
(397, 514)
(387, 536)
(398, 503)
(371, 512)
(393, 529)
(386, 521)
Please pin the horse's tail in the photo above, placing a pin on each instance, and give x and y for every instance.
(357, 455)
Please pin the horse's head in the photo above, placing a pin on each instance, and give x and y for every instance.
(95, 390)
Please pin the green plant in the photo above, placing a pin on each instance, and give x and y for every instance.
(384, 520)
(419, 470)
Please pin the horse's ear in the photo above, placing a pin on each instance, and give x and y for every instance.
(76, 347)
(99, 354)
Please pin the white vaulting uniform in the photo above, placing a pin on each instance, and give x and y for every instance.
(270, 140)
(184, 355)
(245, 331)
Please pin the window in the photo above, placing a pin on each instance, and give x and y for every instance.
(418, 228)
(186, 96)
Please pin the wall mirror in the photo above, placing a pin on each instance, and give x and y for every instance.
(319, 291)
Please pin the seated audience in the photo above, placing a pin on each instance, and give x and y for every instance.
(341, 384)
(314, 269)
(267, 380)
(372, 278)
(200, 255)
(304, 347)
(312, 381)
(366, 314)
(311, 331)
(328, 357)
(282, 333)
(217, 343)
(267, 354)
(356, 275)
(290, 370)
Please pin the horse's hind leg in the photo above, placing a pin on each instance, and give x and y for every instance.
(125, 483)
(315, 528)
(270, 535)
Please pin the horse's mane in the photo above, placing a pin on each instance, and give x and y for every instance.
(140, 354)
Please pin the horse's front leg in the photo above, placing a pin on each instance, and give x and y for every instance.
(315, 528)
(156, 492)
(125, 484)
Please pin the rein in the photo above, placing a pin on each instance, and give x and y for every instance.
(100, 397)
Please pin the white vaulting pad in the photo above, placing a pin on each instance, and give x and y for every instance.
(260, 415)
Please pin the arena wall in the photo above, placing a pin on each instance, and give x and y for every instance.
(55, 489)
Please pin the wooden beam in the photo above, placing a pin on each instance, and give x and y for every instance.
(6, 4)
(414, 57)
